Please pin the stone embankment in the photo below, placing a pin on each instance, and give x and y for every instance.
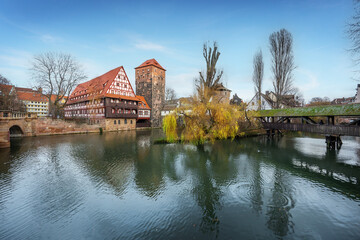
(30, 126)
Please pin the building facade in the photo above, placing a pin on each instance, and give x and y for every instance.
(34, 101)
(108, 99)
(150, 83)
(222, 94)
(144, 111)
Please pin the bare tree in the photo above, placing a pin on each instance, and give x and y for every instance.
(258, 75)
(318, 101)
(353, 31)
(4, 80)
(170, 94)
(282, 63)
(211, 79)
(56, 74)
(8, 97)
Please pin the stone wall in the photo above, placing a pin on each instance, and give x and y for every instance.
(48, 126)
(116, 124)
(150, 83)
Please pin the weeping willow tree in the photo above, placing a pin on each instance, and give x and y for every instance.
(204, 118)
(169, 127)
(204, 122)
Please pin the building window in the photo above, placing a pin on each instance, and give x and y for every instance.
(112, 110)
(125, 121)
(118, 121)
(130, 121)
(115, 122)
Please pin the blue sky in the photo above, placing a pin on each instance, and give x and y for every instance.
(103, 35)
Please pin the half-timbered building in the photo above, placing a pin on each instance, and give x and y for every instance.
(144, 113)
(108, 99)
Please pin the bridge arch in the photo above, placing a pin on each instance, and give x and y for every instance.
(16, 131)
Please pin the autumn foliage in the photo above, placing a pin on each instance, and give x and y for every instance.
(207, 121)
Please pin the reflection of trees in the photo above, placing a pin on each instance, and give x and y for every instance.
(206, 191)
(326, 170)
(109, 158)
(256, 188)
(212, 167)
(149, 172)
(278, 211)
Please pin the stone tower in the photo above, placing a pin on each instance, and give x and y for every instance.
(150, 83)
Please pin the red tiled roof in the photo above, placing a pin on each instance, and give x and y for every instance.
(4, 87)
(151, 62)
(100, 85)
(142, 99)
(21, 89)
(53, 97)
(31, 96)
(122, 97)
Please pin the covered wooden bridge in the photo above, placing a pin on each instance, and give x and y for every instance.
(332, 121)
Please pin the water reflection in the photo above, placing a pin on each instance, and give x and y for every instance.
(245, 188)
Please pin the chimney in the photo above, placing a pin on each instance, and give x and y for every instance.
(40, 89)
(266, 92)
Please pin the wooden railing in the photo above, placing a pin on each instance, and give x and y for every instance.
(344, 130)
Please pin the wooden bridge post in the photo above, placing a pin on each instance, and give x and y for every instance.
(332, 141)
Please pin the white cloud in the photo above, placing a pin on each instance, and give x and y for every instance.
(308, 80)
(14, 65)
(149, 46)
(47, 38)
(183, 83)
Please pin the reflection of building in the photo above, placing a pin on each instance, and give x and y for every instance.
(108, 98)
(150, 83)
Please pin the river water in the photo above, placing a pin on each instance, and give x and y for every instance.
(122, 186)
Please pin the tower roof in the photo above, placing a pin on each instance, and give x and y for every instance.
(151, 62)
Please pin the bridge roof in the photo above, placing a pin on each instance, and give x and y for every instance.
(347, 110)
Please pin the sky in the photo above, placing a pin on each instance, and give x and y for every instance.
(103, 35)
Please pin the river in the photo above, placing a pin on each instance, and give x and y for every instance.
(122, 186)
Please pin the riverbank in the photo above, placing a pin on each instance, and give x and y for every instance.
(31, 127)
(244, 134)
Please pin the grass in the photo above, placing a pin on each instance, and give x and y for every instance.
(316, 111)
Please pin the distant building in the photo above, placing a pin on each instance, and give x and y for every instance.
(265, 102)
(108, 98)
(222, 94)
(150, 83)
(343, 100)
(268, 101)
(236, 100)
(34, 101)
(357, 95)
(144, 111)
(171, 105)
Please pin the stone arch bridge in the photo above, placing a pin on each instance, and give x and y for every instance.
(26, 125)
(16, 125)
